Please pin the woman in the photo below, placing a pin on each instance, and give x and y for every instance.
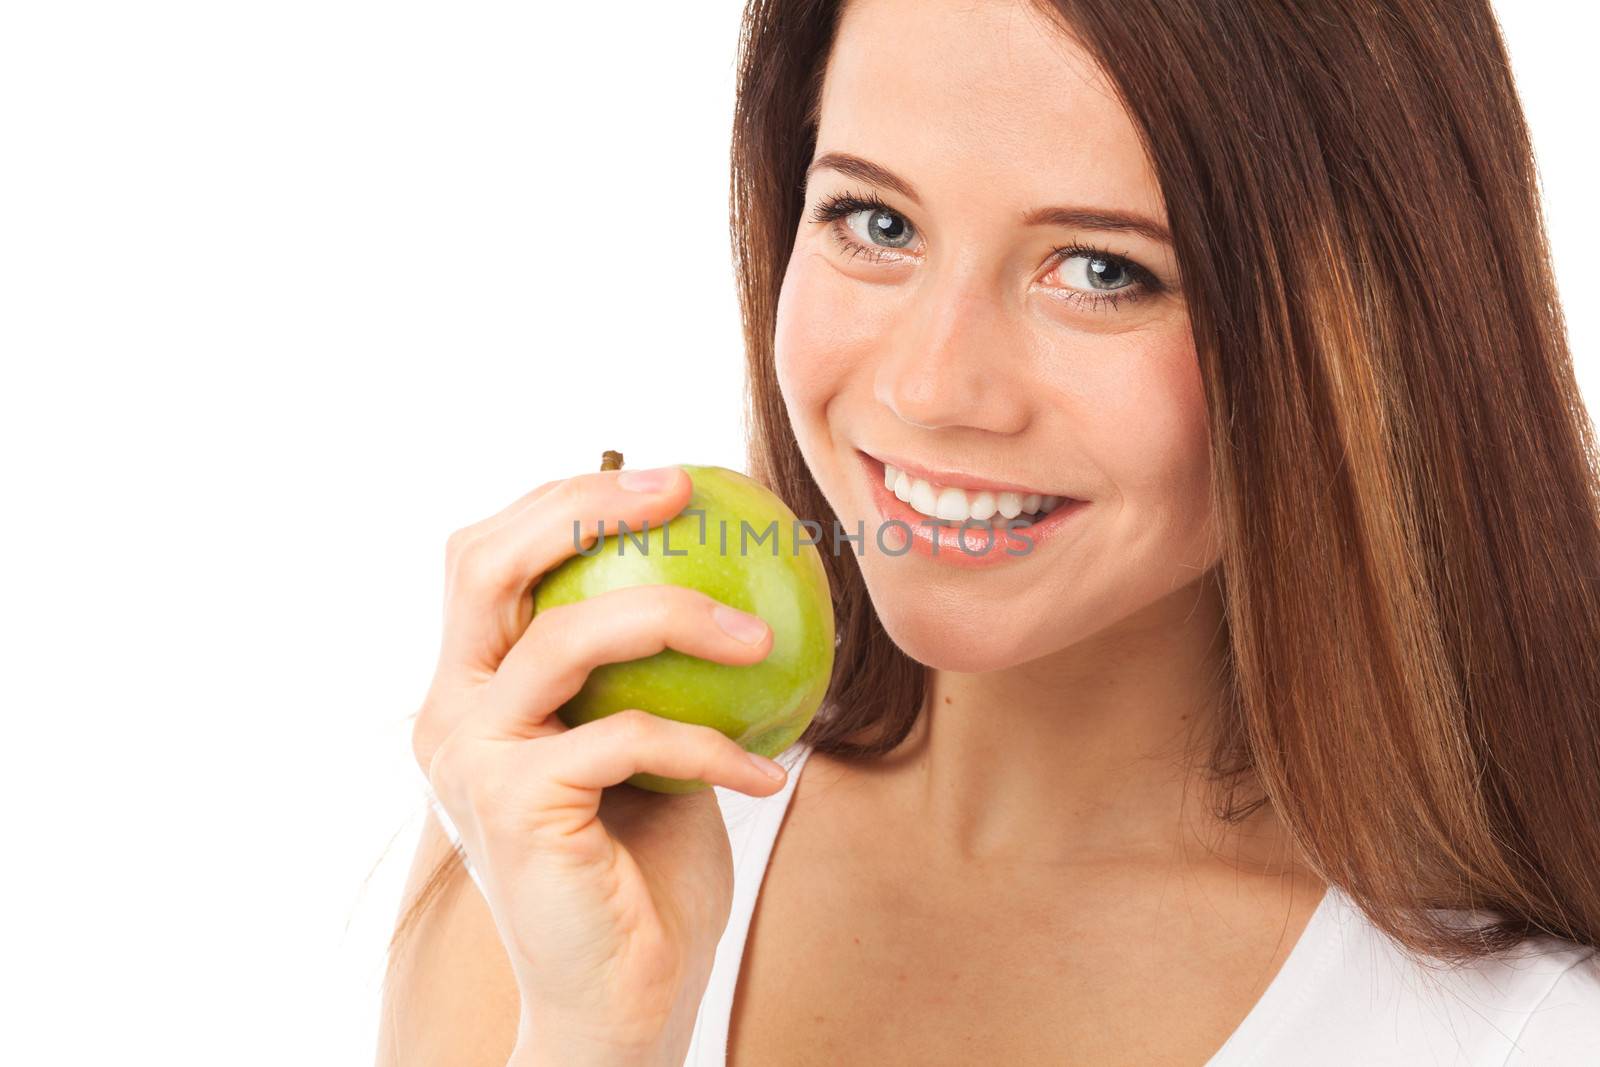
(1282, 745)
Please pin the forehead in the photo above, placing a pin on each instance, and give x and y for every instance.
(989, 97)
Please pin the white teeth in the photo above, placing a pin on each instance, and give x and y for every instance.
(952, 505)
(955, 505)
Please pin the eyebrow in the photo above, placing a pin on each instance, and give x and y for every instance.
(1088, 218)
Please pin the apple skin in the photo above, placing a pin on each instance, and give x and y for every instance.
(763, 706)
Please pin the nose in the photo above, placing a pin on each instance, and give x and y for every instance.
(948, 366)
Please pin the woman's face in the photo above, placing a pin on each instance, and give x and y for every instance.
(948, 330)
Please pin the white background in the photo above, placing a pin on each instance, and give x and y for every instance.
(288, 292)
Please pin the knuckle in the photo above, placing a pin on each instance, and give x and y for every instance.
(658, 607)
(683, 597)
(457, 540)
(631, 726)
(477, 566)
(565, 494)
(711, 735)
(552, 631)
(566, 504)
(667, 606)
(700, 604)
(712, 742)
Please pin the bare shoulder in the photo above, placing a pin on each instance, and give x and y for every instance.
(827, 779)
(830, 790)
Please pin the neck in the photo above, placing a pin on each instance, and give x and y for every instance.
(1094, 753)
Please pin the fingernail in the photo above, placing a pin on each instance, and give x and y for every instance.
(736, 623)
(771, 768)
(647, 481)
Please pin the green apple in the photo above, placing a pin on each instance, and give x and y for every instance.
(737, 542)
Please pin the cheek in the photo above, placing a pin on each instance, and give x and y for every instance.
(823, 327)
(1166, 408)
(1153, 440)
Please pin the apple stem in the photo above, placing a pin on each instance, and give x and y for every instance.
(610, 460)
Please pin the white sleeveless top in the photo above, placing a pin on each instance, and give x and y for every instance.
(1345, 997)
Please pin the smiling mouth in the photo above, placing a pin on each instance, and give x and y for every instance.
(956, 505)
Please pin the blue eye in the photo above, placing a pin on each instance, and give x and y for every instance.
(1097, 271)
(882, 227)
(895, 231)
(1095, 277)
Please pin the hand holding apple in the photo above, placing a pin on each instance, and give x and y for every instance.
(599, 894)
(736, 542)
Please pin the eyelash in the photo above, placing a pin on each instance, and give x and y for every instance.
(842, 205)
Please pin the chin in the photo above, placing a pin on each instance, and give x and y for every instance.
(969, 643)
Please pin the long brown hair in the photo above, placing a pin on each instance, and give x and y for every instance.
(1404, 476)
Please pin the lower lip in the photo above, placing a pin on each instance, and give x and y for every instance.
(943, 543)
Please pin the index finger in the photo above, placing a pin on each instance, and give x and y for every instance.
(489, 604)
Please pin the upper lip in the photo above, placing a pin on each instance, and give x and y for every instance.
(956, 479)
